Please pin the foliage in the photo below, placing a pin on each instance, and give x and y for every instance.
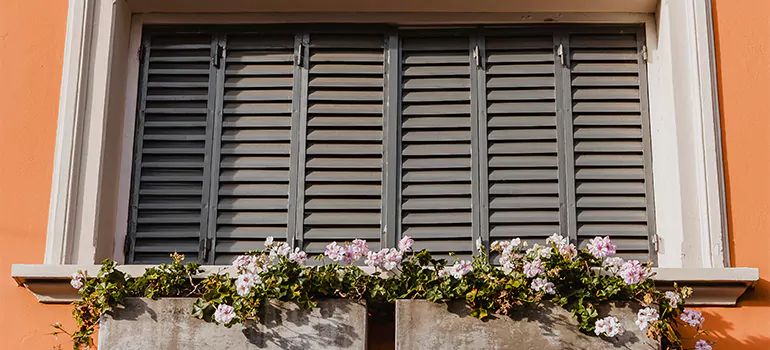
(578, 281)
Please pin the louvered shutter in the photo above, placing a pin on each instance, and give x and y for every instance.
(174, 128)
(254, 153)
(343, 157)
(611, 140)
(436, 195)
(522, 148)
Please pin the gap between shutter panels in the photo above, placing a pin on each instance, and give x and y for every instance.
(174, 121)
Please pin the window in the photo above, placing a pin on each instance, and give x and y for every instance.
(314, 134)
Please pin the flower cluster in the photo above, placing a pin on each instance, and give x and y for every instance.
(347, 253)
(646, 316)
(389, 259)
(673, 299)
(542, 285)
(534, 268)
(703, 345)
(692, 318)
(633, 272)
(601, 247)
(78, 280)
(608, 326)
(460, 269)
(224, 314)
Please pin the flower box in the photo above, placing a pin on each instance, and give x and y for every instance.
(167, 324)
(422, 324)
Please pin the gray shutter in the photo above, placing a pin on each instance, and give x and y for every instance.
(343, 163)
(254, 154)
(174, 128)
(611, 139)
(522, 151)
(436, 170)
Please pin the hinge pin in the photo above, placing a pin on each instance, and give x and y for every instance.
(560, 52)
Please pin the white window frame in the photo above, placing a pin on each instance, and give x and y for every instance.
(92, 170)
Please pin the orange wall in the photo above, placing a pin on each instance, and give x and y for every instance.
(31, 49)
(743, 56)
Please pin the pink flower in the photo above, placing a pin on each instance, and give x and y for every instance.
(609, 326)
(224, 314)
(335, 252)
(556, 239)
(78, 280)
(542, 285)
(460, 269)
(645, 316)
(703, 345)
(673, 299)
(246, 282)
(613, 264)
(392, 259)
(601, 247)
(298, 256)
(245, 263)
(358, 248)
(632, 272)
(693, 318)
(405, 244)
(375, 259)
(534, 268)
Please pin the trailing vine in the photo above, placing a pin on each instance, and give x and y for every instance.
(577, 280)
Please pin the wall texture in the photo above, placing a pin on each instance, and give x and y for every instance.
(31, 46)
(743, 59)
(31, 49)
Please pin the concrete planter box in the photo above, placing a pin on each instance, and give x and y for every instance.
(167, 324)
(422, 324)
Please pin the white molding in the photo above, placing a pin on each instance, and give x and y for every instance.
(72, 101)
(686, 167)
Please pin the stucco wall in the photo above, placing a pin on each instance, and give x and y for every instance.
(31, 49)
(743, 56)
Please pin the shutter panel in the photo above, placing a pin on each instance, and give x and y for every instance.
(522, 150)
(611, 141)
(254, 156)
(436, 170)
(173, 133)
(344, 140)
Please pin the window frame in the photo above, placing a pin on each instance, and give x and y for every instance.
(80, 233)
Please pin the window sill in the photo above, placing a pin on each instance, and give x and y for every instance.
(712, 286)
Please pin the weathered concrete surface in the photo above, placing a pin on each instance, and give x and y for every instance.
(421, 324)
(166, 324)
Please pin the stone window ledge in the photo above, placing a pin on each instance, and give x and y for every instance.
(712, 286)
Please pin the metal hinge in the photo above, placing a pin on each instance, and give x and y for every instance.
(644, 53)
(298, 57)
(560, 52)
(476, 56)
(127, 239)
(140, 53)
(216, 56)
(206, 248)
(656, 243)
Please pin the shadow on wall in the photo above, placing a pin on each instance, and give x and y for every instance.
(276, 323)
(723, 330)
